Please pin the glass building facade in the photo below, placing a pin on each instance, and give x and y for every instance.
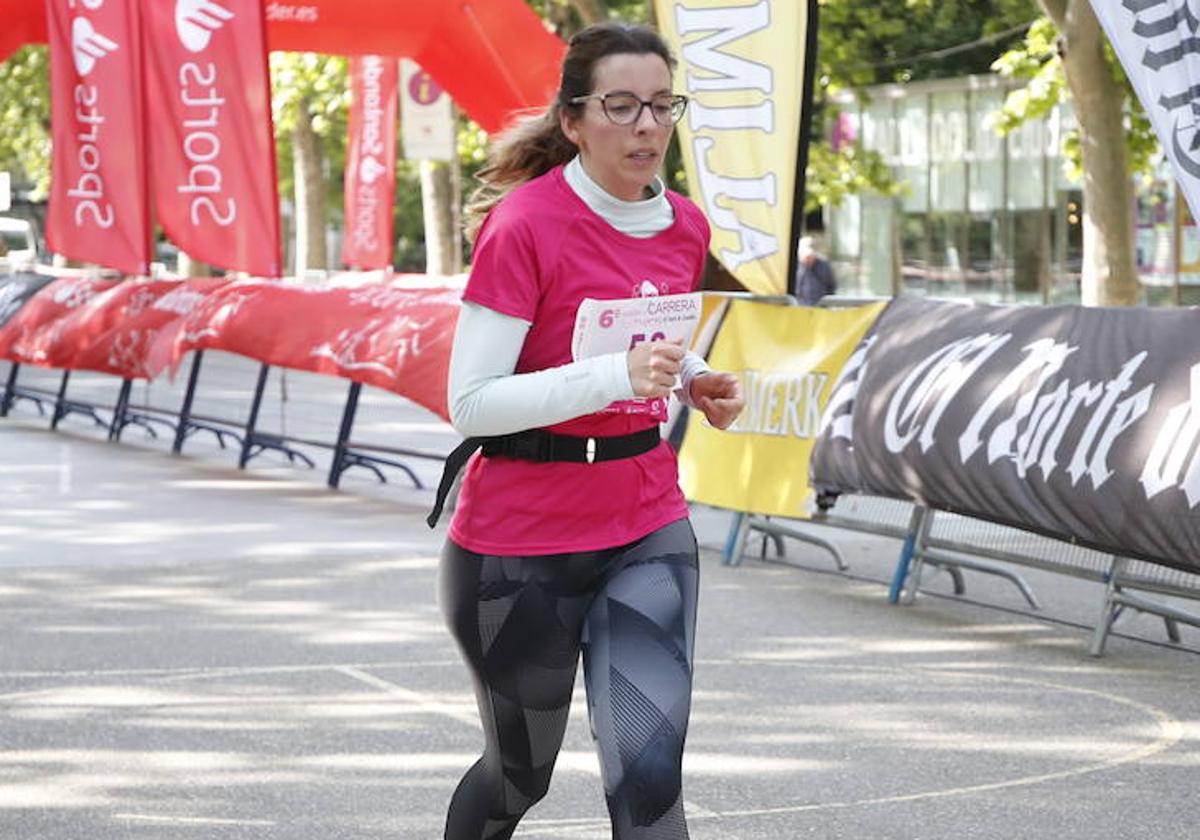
(985, 216)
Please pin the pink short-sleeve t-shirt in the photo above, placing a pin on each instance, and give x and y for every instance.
(540, 252)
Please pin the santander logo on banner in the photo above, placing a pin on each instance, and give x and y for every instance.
(209, 96)
(370, 169)
(98, 211)
(196, 20)
(88, 45)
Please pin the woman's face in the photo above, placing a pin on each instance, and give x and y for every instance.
(623, 159)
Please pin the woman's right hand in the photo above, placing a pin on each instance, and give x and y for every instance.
(654, 367)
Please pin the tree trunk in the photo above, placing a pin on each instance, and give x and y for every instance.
(310, 195)
(443, 249)
(1109, 267)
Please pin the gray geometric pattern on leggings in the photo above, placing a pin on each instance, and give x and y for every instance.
(645, 634)
(545, 732)
(495, 828)
(670, 826)
(491, 618)
(515, 799)
(528, 616)
(663, 581)
(636, 718)
(648, 654)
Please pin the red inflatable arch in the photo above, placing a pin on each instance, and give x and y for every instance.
(493, 56)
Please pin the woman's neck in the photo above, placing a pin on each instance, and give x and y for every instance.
(635, 193)
(641, 219)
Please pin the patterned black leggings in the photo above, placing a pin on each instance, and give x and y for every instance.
(521, 623)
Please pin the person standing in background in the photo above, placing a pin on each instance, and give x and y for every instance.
(814, 274)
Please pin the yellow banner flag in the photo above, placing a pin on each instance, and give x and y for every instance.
(787, 359)
(742, 62)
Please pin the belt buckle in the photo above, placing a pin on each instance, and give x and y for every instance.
(590, 450)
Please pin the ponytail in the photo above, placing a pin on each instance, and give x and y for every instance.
(532, 147)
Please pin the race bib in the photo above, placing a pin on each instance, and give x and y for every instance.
(616, 326)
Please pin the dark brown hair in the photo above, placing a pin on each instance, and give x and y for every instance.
(536, 144)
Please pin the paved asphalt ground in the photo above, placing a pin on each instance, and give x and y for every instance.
(192, 651)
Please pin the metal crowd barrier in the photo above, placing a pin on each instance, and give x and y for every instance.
(952, 543)
(1131, 584)
(287, 409)
(248, 407)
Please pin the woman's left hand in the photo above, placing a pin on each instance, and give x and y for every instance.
(719, 396)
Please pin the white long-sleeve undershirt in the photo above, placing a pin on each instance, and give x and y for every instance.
(486, 397)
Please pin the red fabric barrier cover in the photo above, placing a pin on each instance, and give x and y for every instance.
(494, 56)
(208, 123)
(386, 334)
(31, 334)
(380, 334)
(113, 332)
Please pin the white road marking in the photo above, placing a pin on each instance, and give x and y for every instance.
(166, 819)
(1170, 733)
(422, 702)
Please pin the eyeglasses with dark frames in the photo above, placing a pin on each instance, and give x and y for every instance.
(626, 109)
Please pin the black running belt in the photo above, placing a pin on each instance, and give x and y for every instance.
(541, 446)
(455, 461)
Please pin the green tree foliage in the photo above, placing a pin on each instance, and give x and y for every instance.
(862, 44)
(318, 85)
(25, 117)
(566, 17)
(1036, 61)
(908, 40)
(851, 170)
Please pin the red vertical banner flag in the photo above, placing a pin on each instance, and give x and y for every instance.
(98, 210)
(370, 180)
(212, 145)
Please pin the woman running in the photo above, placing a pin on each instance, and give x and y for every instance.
(571, 534)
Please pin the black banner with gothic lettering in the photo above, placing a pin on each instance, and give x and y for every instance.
(1080, 423)
(1157, 43)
